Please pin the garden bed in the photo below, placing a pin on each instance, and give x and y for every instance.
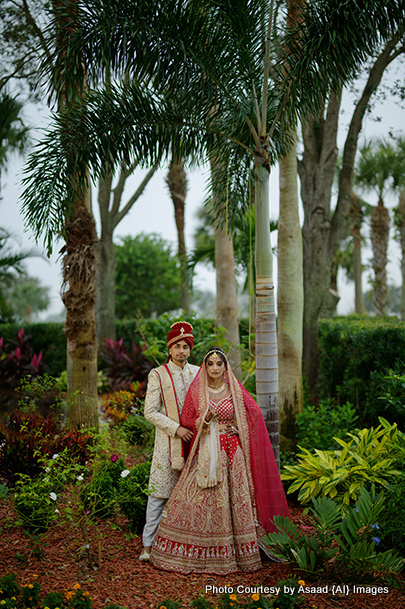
(60, 563)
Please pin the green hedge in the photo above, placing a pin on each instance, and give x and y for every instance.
(50, 338)
(356, 355)
(46, 337)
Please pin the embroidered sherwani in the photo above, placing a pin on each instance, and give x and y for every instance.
(162, 477)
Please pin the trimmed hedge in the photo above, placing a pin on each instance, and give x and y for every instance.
(356, 355)
(50, 338)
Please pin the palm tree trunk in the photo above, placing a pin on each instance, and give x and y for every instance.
(177, 183)
(78, 271)
(266, 332)
(226, 297)
(356, 218)
(290, 301)
(380, 225)
(78, 295)
(400, 222)
(105, 270)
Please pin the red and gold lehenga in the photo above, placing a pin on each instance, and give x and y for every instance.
(228, 491)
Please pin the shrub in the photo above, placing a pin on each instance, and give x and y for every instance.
(318, 425)
(391, 529)
(100, 495)
(138, 430)
(53, 600)
(120, 404)
(368, 456)
(17, 359)
(354, 354)
(123, 367)
(46, 337)
(341, 545)
(26, 438)
(133, 495)
(35, 503)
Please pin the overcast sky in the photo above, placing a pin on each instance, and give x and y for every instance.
(154, 211)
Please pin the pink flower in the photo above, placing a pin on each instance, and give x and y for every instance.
(114, 458)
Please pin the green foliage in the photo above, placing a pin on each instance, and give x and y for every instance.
(338, 545)
(355, 353)
(41, 395)
(147, 277)
(8, 586)
(138, 430)
(368, 456)
(27, 296)
(391, 529)
(318, 425)
(30, 594)
(288, 600)
(392, 395)
(168, 603)
(99, 495)
(53, 600)
(35, 503)
(134, 495)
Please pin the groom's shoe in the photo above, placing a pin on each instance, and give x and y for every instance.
(144, 555)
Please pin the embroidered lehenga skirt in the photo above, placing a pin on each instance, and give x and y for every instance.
(210, 530)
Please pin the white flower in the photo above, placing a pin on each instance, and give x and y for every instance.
(125, 473)
(56, 511)
(55, 456)
(80, 478)
(47, 469)
(53, 496)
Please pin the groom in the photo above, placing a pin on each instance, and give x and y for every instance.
(165, 395)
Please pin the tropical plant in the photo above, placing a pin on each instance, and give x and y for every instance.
(19, 360)
(341, 546)
(368, 456)
(123, 367)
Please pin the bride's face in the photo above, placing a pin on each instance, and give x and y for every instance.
(215, 366)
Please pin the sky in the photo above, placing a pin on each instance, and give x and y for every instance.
(154, 213)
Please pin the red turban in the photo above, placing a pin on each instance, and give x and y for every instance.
(181, 330)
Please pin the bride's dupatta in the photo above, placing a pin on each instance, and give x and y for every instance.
(266, 490)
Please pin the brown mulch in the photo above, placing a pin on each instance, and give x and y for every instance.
(123, 580)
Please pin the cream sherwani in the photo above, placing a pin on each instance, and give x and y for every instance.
(162, 477)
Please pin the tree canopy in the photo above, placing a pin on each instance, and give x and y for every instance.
(148, 277)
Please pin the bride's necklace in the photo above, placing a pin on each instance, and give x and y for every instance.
(217, 390)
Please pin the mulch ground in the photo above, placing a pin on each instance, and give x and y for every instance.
(122, 579)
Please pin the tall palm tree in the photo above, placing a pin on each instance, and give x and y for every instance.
(374, 172)
(398, 176)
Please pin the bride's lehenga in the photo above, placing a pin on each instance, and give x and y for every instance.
(211, 530)
(228, 491)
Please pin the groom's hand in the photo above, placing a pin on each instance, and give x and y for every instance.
(184, 433)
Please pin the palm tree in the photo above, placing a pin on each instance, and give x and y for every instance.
(374, 171)
(398, 187)
(177, 183)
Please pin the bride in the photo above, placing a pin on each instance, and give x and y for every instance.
(229, 488)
